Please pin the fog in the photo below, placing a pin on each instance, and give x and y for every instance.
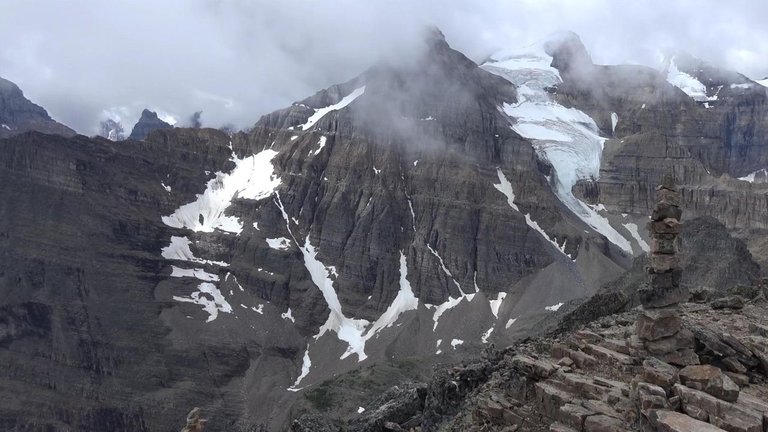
(86, 60)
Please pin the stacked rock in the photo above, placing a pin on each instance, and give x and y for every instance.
(659, 326)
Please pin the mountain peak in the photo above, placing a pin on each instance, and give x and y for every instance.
(18, 114)
(569, 55)
(148, 122)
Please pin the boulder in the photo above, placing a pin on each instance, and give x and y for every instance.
(671, 421)
(710, 379)
(608, 355)
(680, 340)
(730, 302)
(649, 397)
(657, 323)
(681, 357)
(536, 369)
(665, 210)
(662, 263)
(660, 373)
(723, 414)
(666, 226)
(664, 290)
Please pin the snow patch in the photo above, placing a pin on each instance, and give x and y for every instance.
(321, 112)
(210, 298)
(253, 178)
(533, 224)
(632, 228)
(505, 187)
(360, 410)
(280, 243)
(759, 176)
(486, 335)
(456, 342)
(5, 126)
(741, 86)
(403, 302)
(496, 304)
(195, 273)
(320, 145)
(288, 316)
(688, 83)
(376, 171)
(347, 329)
(509, 323)
(167, 188)
(451, 303)
(614, 121)
(442, 265)
(306, 364)
(179, 250)
(554, 307)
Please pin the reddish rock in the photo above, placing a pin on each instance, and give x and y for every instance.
(671, 421)
(710, 379)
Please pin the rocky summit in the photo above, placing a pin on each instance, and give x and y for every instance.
(18, 114)
(343, 263)
(148, 122)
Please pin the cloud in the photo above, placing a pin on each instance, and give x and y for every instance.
(236, 60)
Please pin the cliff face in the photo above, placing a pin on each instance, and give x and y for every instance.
(19, 115)
(707, 126)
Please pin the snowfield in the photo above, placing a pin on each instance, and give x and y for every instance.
(253, 178)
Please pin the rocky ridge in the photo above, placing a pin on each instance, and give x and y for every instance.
(18, 114)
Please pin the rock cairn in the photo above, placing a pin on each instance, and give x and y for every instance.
(659, 326)
(194, 422)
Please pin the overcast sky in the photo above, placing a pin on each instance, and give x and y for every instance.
(238, 59)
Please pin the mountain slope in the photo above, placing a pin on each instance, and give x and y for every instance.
(19, 115)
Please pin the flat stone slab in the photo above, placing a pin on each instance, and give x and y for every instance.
(672, 421)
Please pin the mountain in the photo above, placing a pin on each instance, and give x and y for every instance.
(112, 130)
(352, 233)
(18, 114)
(146, 124)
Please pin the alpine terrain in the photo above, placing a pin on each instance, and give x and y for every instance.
(358, 260)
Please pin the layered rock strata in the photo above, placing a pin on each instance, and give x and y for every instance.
(659, 326)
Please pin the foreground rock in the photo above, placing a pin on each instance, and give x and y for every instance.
(582, 381)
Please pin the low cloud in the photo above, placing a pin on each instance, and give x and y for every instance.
(236, 60)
